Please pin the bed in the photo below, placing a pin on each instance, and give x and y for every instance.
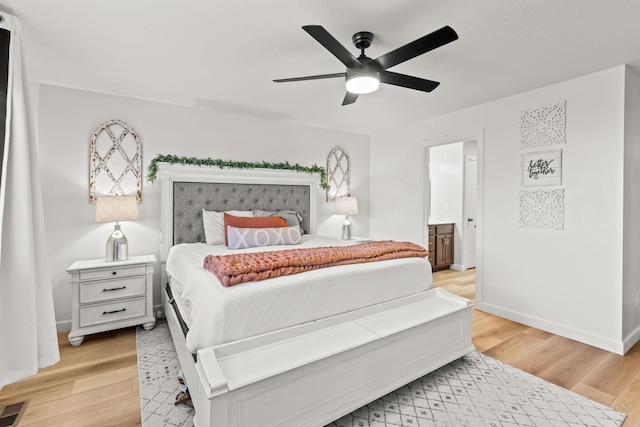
(308, 348)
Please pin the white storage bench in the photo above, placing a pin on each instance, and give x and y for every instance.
(312, 374)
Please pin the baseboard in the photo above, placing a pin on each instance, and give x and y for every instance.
(632, 338)
(63, 326)
(604, 343)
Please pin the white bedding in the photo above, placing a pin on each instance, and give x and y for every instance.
(219, 314)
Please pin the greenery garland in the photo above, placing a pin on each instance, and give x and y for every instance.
(152, 170)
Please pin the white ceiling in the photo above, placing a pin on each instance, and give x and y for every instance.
(223, 55)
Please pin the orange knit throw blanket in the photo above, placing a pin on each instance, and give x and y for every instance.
(252, 267)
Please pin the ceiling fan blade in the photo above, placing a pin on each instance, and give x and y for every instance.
(349, 98)
(409, 82)
(323, 37)
(320, 76)
(417, 47)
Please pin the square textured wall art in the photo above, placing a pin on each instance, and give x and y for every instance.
(544, 125)
(542, 209)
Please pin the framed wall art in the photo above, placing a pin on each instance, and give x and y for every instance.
(541, 168)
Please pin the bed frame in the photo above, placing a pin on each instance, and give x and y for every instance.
(314, 373)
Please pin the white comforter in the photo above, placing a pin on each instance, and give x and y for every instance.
(219, 314)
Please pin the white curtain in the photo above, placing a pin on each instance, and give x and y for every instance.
(28, 339)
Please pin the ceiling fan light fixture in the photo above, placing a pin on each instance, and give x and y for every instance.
(362, 83)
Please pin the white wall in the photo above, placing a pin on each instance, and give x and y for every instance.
(568, 282)
(67, 119)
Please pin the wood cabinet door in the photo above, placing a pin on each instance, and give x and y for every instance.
(444, 250)
(448, 249)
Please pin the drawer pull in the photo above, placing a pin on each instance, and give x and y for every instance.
(114, 311)
(114, 273)
(114, 289)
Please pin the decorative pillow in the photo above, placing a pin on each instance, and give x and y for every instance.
(214, 225)
(293, 218)
(244, 222)
(242, 238)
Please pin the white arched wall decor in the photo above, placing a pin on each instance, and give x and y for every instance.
(116, 161)
(338, 174)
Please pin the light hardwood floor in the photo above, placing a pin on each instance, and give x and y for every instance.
(597, 374)
(96, 384)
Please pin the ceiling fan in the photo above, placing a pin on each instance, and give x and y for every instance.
(363, 74)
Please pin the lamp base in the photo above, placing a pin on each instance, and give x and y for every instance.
(117, 246)
(346, 229)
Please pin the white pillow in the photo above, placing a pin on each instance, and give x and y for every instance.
(214, 225)
(242, 238)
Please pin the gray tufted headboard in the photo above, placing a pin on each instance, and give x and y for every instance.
(189, 198)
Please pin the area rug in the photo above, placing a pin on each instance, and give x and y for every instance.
(475, 390)
(158, 370)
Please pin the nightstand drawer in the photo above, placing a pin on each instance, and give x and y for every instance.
(105, 273)
(105, 290)
(110, 312)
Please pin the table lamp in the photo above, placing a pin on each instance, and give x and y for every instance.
(116, 209)
(346, 206)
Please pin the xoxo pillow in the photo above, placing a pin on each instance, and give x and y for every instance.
(242, 238)
(244, 222)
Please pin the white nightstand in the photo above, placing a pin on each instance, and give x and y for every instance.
(111, 295)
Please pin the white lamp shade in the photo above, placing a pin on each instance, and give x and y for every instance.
(116, 208)
(346, 206)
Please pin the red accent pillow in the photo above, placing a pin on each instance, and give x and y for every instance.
(251, 222)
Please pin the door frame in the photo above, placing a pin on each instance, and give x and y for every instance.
(472, 135)
(465, 207)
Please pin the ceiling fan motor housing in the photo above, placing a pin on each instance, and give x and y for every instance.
(362, 39)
